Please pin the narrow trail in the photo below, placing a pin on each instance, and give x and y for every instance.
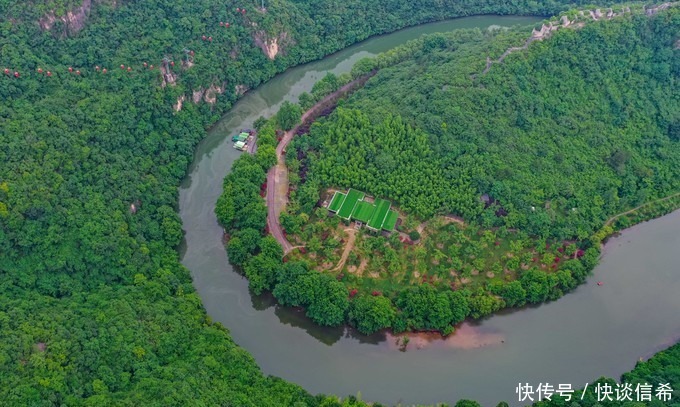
(446, 219)
(509, 51)
(613, 218)
(579, 22)
(277, 177)
(348, 248)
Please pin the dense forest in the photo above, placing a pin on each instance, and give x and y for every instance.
(560, 138)
(328, 152)
(533, 157)
(95, 308)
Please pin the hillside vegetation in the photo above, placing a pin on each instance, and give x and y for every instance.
(95, 308)
(531, 159)
(347, 145)
(582, 126)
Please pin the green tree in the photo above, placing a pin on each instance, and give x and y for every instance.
(467, 403)
(513, 294)
(237, 251)
(482, 305)
(266, 156)
(289, 115)
(261, 272)
(371, 313)
(330, 303)
(536, 285)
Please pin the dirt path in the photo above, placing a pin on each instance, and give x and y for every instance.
(613, 218)
(564, 22)
(446, 219)
(274, 210)
(277, 177)
(454, 219)
(348, 248)
(509, 51)
(362, 267)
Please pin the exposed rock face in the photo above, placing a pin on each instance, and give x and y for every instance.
(197, 95)
(564, 22)
(270, 46)
(211, 93)
(653, 10)
(180, 101)
(544, 31)
(207, 95)
(74, 20)
(240, 89)
(168, 77)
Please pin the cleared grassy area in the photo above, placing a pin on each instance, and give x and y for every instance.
(337, 201)
(381, 208)
(350, 202)
(363, 211)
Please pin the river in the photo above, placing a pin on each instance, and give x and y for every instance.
(593, 331)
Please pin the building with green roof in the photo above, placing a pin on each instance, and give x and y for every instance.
(352, 206)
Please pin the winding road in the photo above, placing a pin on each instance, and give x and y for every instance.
(277, 177)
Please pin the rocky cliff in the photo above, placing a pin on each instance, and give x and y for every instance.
(271, 46)
(72, 21)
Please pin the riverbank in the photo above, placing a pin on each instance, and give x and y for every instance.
(535, 251)
(642, 213)
(531, 351)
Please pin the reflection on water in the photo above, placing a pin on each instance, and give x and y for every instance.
(296, 317)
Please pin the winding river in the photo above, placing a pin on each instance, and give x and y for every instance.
(593, 331)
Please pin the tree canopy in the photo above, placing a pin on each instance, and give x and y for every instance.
(95, 308)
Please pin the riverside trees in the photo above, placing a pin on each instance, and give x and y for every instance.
(534, 155)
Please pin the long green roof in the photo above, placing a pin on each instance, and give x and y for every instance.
(363, 211)
(390, 221)
(378, 217)
(353, 196)
(351, 206)
(336, 202)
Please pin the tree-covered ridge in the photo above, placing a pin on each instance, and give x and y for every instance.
(563, 136)
(543, 151)
(389, 158)
(95, 308)
(118, 33)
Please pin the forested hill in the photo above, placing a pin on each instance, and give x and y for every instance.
(95, 308)
(111, 33)
(558, 137)
(530, 159)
